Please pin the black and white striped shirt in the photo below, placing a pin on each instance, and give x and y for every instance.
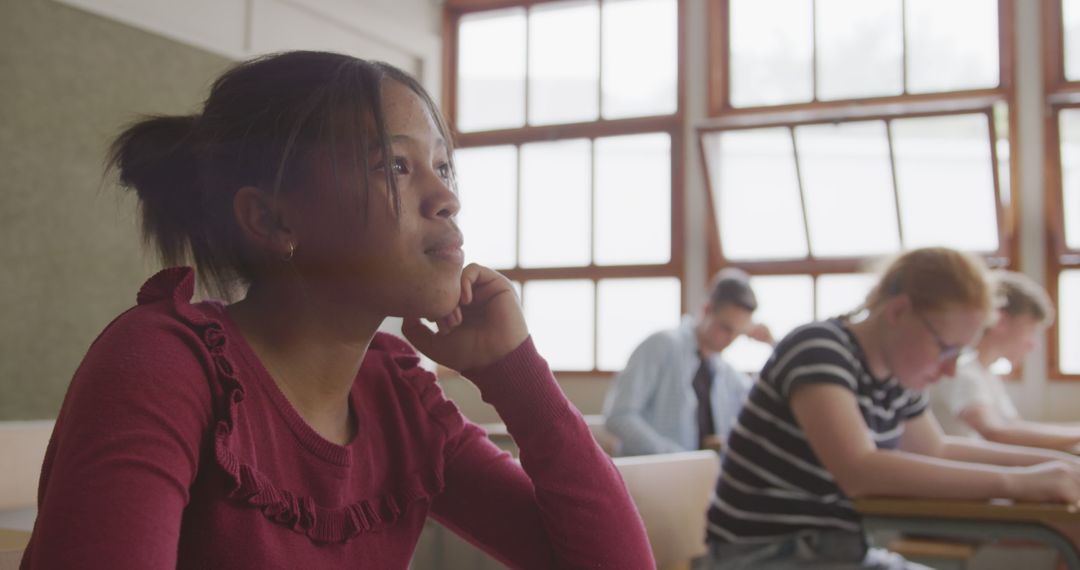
(772, 483)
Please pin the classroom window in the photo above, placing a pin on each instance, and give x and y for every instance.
(1070, 29)
(841, 293)
(565, 62)
(829, 50)
(630, 310)
(491, 82)
(579, 324)
(784, 302)
(1069, 123)
(787, 301)
(1063, 207)
(559, 316)
(849, 130)
(1062, 52)
(1069, 327)
(557, 184)
(640, 74)
(566, 116)
(804, 191)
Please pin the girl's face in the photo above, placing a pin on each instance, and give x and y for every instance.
(1016, 335)
(925, 344)
(361, 255)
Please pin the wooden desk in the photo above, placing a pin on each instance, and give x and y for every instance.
(1055, 525)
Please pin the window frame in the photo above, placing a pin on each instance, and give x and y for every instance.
(723, 116)
(1059, 94)
(1006, 223)
(719, 55)
(673, 125)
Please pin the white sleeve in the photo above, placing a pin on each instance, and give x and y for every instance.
(967, 388)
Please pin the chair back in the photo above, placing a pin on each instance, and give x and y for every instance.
(672, 493)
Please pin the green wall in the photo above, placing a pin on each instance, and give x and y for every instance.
(69, 246)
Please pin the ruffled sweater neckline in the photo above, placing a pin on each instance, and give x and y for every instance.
(246, 484)
(319, 446)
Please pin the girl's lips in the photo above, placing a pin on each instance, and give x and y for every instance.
(447, 248)
(454, 254)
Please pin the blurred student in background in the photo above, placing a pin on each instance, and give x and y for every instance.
(975, 402)
(676, 392)
(840, 413)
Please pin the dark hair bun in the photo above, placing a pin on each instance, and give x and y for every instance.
(156, 157)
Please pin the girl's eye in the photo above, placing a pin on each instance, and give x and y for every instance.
(399, 166)
(444, 171)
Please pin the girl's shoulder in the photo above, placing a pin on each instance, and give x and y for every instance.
(831, 331)
(162, 336)
(817, 350)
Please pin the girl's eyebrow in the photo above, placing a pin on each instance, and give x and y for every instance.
(410, 140)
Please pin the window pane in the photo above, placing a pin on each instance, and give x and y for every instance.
(630, 310)
(842, 293)
(487, 187)
(771, 56)
(1070, 175)
(564, 62)
(560, 318)
(946, 182)
(555, 203)
(756, 193)
(848, 163)
(641, 58)
(1069, 324)
(491, 70)
(784, 302)
(952, 45)
(1070, 23)
(860, 48)
(633, 199)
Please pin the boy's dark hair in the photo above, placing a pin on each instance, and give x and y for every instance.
(731, 286)
(1019, 295)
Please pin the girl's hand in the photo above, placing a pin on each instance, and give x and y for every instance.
(1053, 481)
(485, 326)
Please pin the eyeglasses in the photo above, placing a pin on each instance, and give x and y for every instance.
(946, 351)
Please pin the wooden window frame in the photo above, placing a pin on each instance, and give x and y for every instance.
(723, 116)
(812, 265)
(719, 71)
(672, 125)
(1060, 94)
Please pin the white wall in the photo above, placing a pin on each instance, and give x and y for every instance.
(401, 32)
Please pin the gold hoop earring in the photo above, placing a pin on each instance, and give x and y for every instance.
(288, 256)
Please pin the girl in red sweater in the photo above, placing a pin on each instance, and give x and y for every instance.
(282, 430)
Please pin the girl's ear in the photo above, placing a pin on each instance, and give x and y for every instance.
(897, 306)
(262, 223)
(1000, 324)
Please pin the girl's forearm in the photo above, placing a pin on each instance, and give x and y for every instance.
(903, 474)
(961, 449)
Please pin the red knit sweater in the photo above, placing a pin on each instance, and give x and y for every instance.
(175, 448)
